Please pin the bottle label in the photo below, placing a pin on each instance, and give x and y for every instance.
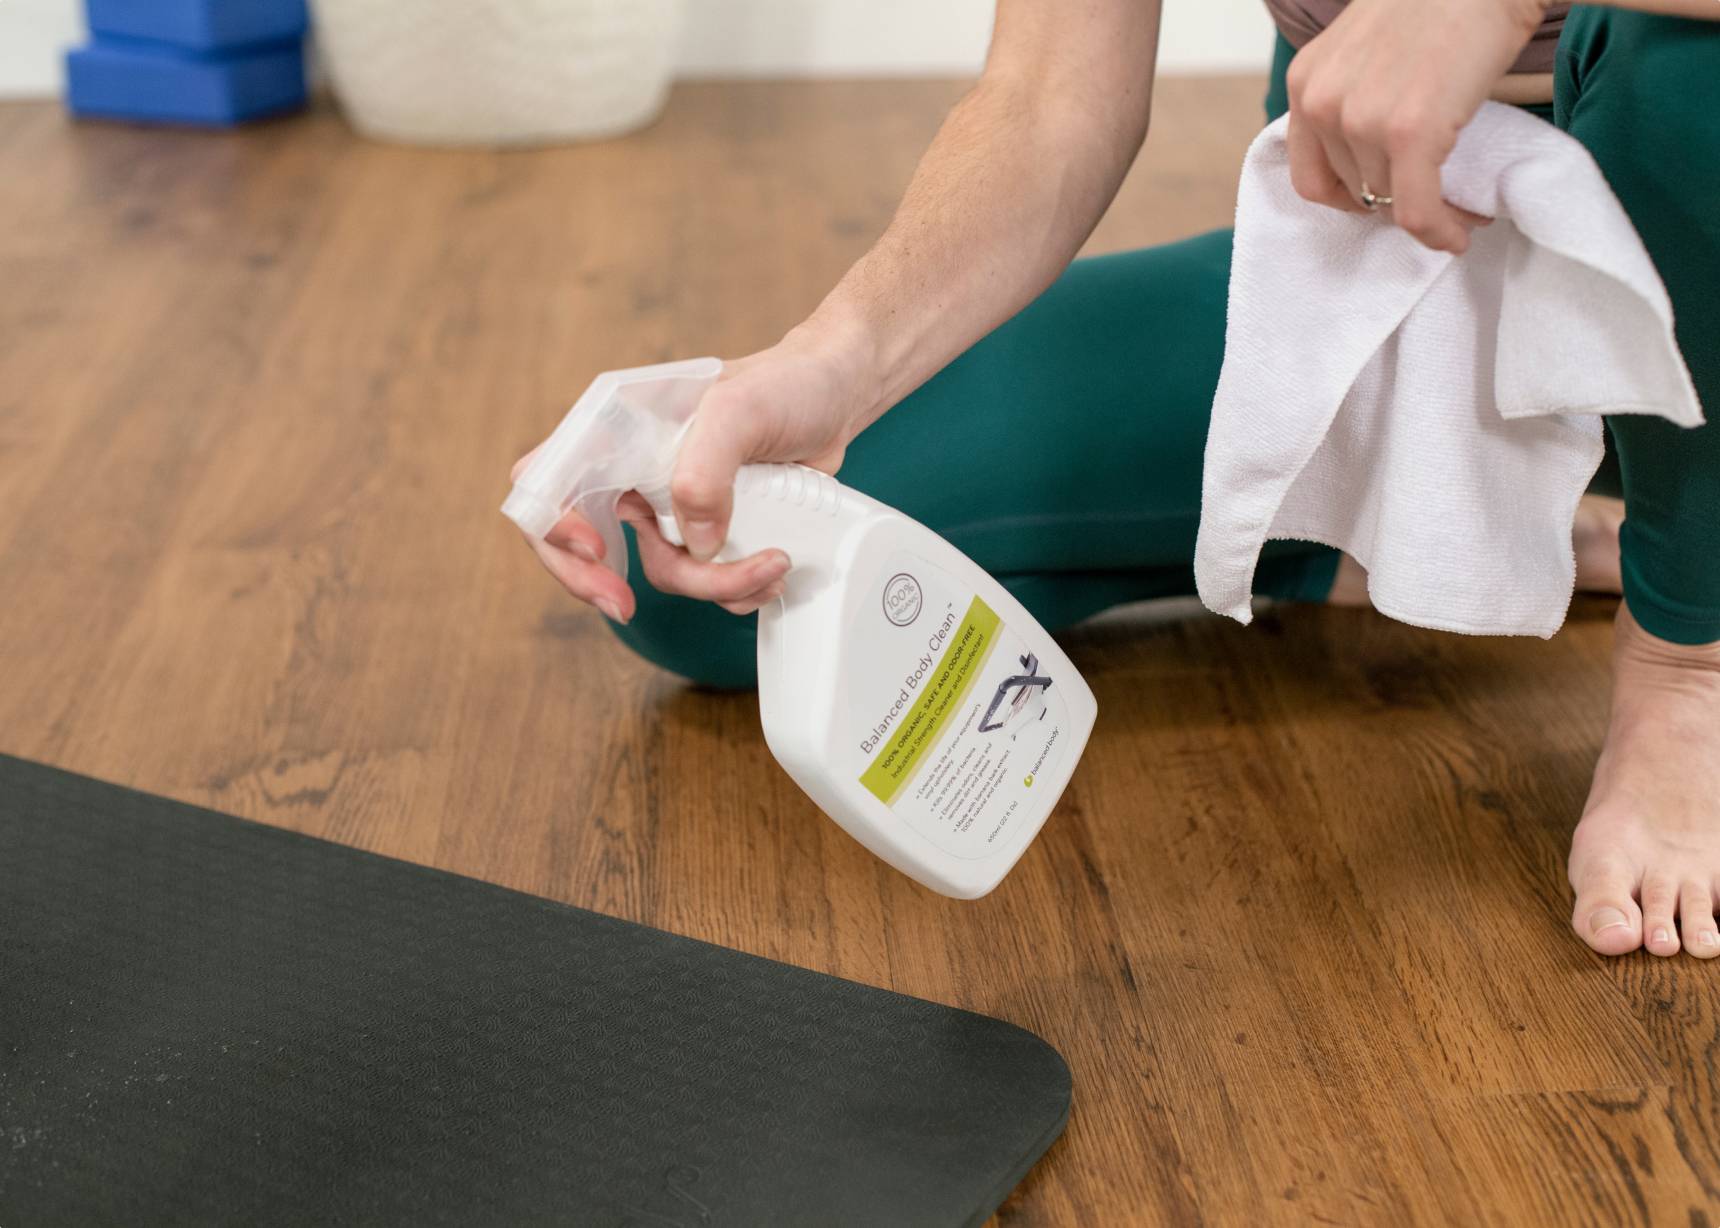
(953, 716)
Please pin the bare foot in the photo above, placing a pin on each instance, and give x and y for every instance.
(1594, 538)
(1645, 860)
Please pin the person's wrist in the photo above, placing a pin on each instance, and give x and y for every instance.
(1528, 13)
(846, 345)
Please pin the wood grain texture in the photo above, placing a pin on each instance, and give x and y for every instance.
(1300, 923)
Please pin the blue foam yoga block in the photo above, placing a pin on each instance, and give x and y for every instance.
(153, 83)
(202, 25)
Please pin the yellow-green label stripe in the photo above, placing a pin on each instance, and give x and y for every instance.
(948, 685)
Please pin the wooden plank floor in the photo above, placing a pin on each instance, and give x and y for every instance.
(1300, 923)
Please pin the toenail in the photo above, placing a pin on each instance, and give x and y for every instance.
(1661, 935)
(1605, 919)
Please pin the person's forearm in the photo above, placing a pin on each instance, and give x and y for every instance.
(1705, 10)
(1016, 180)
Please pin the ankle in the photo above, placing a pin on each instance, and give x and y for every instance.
(1634, 646)
(1656, 681)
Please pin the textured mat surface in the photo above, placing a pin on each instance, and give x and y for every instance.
(205, 1021)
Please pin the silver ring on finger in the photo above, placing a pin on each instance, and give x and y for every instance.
(1372, 200)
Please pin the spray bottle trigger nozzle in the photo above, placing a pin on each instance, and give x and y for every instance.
(621, 435)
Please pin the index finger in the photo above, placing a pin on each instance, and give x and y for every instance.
(574, 533)
(589, 582)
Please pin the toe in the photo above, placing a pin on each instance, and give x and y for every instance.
(1659, 904)
(1606, 916)
(1696, 921)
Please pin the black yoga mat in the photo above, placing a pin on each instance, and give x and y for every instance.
(208, 1021)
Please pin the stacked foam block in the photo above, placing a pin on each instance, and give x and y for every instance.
(208, 62)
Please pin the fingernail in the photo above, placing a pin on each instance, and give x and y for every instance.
(702, 538)
(1605, 919)
(1660, 935)
(778, 562)
(611, 611)
(582, 551)
(1707, 938)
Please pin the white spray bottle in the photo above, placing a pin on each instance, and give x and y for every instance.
(900, 685)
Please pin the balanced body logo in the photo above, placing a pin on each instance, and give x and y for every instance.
(903, 599)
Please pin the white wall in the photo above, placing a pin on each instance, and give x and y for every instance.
(765, 38)
(888, 37)
(33, 33)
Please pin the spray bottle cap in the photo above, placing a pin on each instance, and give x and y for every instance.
(621, 435)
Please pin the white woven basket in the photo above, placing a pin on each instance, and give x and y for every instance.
(498, 72)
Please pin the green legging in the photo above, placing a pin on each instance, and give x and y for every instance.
(1076, 429)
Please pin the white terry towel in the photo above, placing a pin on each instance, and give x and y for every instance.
(1435, 417)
